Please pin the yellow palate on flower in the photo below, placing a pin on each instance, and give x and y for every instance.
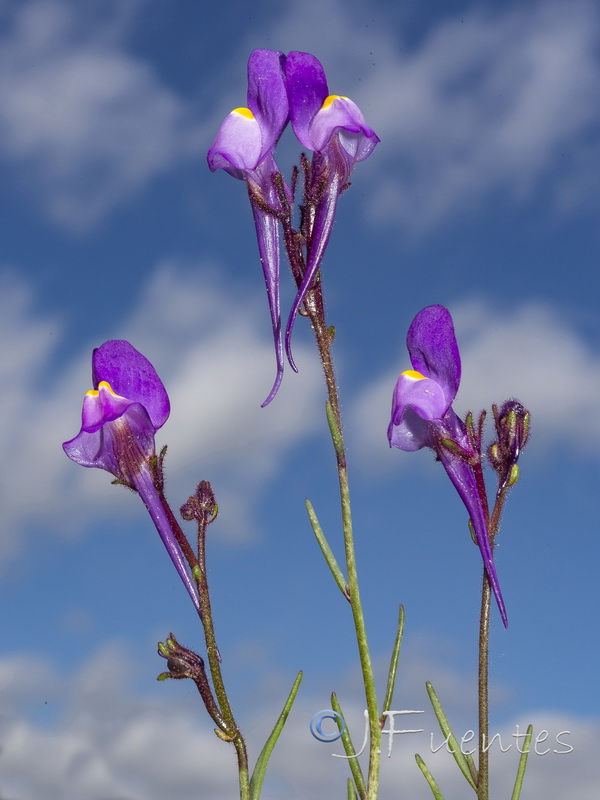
(412, 373)
(329, 100)
(102, 385)
(243, 112)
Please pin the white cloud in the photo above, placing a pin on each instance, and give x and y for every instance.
(492, 100)
(85, 124)
(109, 741)
(532, 353)
(216, 357)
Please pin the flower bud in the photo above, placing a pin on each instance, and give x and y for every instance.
(512, 429)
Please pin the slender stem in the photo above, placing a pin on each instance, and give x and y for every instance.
(203, 508)
(484, 638)
(483, 769)
(314, 308)
(214, 658)
(482, 689)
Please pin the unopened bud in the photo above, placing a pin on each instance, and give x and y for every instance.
(512, 430)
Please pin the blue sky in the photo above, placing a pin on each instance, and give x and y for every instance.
(483, 195)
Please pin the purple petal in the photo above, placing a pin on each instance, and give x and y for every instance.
(433, 349)
(342, 115)
(133, 377)
(267, 96)
(238, 144)
(307, 90)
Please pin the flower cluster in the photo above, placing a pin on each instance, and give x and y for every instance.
(422, 416)
(281, 89)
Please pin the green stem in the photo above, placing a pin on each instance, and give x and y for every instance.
(314, 308)
(203, 508)
(482, 690)
(493, 524)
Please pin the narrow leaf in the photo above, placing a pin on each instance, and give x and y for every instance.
(258, 775)
(522, 765)
(389, 691)
(336, 434)
(429, 778)
(337, 573)
(351, 791)
(459, 757)
(353, 762)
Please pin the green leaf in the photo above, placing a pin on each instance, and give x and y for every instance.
(353, 762)
(522, 764)
(463, 762)
(337, 573)
(351, 791)
(336, 434)
(389, 691)
(258, 775)
(429, 778)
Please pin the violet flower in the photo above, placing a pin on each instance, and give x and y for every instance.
(120, 416)
(334, 128)
(422, 416)
(244, 147)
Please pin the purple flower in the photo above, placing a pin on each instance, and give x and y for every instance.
(244, 147)
(120, 416)
(422, 416)
(334, 129)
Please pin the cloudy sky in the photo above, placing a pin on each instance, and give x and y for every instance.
(483, 195)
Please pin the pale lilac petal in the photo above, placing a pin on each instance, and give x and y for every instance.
(237, 147)
(411, 434)
(342, 116)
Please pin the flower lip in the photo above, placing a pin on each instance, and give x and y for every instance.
(342, 116)
(102, 405)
